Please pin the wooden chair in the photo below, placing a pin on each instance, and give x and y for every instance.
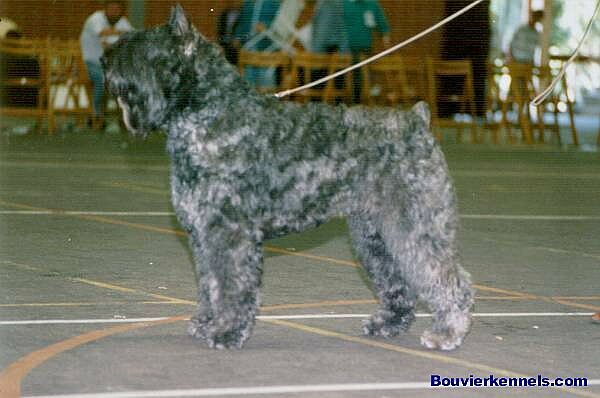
(525, 82)
(30, 80)
(308, 67)
(386, 83)
(564, 92)
(495, 97)
(437, 71)
(70, 89)
(273, 60)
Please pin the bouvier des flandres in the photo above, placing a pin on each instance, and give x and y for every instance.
(248, 167)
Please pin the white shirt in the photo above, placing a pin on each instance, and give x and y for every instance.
(92, 45)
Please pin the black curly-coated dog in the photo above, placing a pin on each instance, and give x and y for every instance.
(248, 167)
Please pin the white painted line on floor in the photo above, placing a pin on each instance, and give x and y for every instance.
(528, 217)
(87, 213)
(556, 173)
(289, 317)
(523, 217)
(271, 390)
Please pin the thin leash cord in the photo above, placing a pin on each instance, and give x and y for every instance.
(546, 93)
(382, 54)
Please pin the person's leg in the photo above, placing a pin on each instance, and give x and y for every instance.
(357, 77)
(97, 77)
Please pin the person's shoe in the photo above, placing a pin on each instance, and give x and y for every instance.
(596, 317)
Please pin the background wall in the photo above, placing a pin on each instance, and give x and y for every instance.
(64, 18)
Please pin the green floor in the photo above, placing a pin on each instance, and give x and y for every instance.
(87, 235)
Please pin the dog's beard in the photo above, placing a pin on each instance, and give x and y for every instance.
(126, 116)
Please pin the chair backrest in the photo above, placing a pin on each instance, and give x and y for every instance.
(385, 82)
(308, 67)
(263, 59)
(458, 67)
(438, 69)
(276, 60)
(24, 47)
(459, 75)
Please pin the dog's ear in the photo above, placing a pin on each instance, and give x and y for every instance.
(422, 110)
(179, 23)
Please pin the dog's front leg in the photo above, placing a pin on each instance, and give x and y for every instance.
(228, 265)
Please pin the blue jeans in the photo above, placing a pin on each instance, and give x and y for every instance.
(96, 75)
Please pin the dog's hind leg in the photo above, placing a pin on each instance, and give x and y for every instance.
(228, 268)
(450, 297)
(397, 299)
(422, 239)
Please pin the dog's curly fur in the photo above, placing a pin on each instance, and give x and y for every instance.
(248, 167)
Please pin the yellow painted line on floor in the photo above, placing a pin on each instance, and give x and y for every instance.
(590, 298)
(512, 293)
(54, 164)
(144, 227)
(12, 376)
(130, 290)
(137, 188)
(83, 304)
(274, 249)
(430, 355)
(318, 304)
(102, 285)
(594, 308)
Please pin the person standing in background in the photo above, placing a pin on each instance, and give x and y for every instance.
(526, 40)
(328, 30)
(362, 18)
(255, 17)
(100, 30)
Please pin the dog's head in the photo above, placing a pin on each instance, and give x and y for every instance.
(152, 72)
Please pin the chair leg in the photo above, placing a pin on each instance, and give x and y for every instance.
(571, 113)
(505, 122)
(556, 125)
(541, 125)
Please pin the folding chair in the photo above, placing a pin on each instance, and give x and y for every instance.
(276, 60)
(437, 71)
(23, 83)
(386, 83)
(308, 67)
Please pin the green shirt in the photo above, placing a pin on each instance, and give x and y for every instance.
(361, 17)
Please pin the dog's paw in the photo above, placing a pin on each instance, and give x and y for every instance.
(441, 341)
(387, 324)
(217, 337)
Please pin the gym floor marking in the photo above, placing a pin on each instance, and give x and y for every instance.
(265, 390)
(10, 378)
(288, 317)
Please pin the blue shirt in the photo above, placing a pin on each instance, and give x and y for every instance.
(361, 18)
